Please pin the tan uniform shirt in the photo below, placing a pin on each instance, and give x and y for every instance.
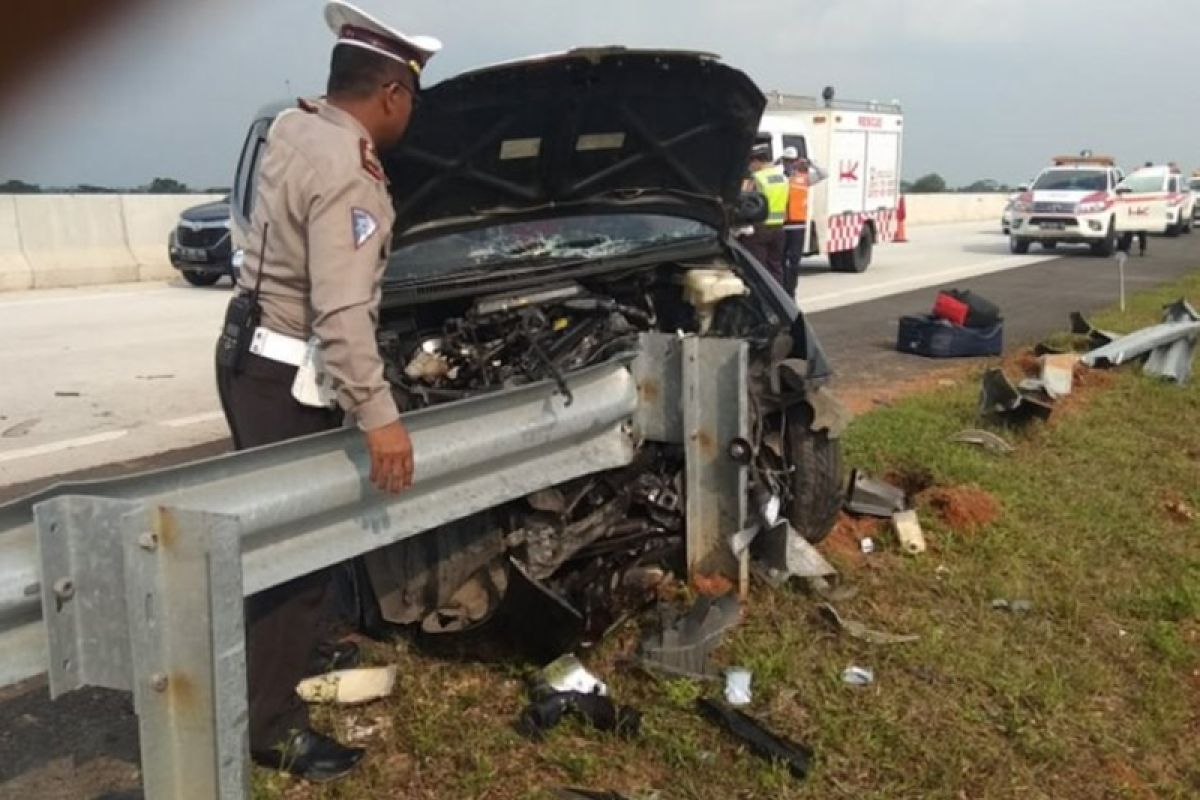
(323, 191)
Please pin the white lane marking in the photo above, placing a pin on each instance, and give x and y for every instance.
(66, 444)
(848, 296)
(75, 298)
(195, 419)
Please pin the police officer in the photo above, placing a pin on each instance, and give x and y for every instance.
(767, 242)
(315, 255)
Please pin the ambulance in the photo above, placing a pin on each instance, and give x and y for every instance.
(1154, 200)
(859, 145)
(1074, 201)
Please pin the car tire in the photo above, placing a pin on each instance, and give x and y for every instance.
(1049, 244)
(1108, 245)
(816, 462)
(858, 259)
(201, 278)
(1018, 245)
(1187, 225)
(1174, 230)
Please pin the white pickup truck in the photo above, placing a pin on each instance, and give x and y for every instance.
(1072, 202)
(1154, 200)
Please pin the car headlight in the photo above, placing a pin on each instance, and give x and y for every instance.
(1022, 207)
(1091, 207)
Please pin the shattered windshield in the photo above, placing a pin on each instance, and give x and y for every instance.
(568, 239)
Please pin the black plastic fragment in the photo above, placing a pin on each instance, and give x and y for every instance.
(599, 711)
(762, 742)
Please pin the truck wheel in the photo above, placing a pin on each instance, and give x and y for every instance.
(858, 259)
(201, 278)
(1049, 244)
(1108, 245)
(1175, 230)
(816, 461)
(1018, 245)
(1187, 225)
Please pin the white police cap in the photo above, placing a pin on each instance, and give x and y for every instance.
(355, 27)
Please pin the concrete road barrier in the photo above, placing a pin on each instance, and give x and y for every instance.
(71, 240)
(15, 272)
(937, 209)
(149, 220)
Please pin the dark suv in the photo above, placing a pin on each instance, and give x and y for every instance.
(200, 246)
(552, 215)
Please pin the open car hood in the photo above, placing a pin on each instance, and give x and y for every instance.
(586, 131)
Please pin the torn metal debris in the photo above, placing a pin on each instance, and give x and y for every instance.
(761, 741)
(985, 439)
(781, 553)
(860, 631)
(1096, 337)
(1170, 345)
(858, 676)
(999, 398)
(568, 674)
(872, 497)
(683, 644)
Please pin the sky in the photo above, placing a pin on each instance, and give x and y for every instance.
(990, 88)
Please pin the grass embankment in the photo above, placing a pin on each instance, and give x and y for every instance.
(1094, 693)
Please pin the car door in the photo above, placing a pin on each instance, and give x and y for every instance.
(1142, 203)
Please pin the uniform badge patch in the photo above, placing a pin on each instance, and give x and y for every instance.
(364, 226)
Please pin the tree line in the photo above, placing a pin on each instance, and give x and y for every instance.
(936, 184)
(156, 186)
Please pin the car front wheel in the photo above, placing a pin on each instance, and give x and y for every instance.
(202, 278)
(816, 463)
(1018, 245)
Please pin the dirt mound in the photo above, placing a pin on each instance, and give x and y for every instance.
(842, 544)
(962, 508)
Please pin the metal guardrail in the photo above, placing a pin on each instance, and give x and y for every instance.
(137, 583)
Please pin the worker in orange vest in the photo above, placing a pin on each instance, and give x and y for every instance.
(802, 175)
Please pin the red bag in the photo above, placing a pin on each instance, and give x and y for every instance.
(951, 309)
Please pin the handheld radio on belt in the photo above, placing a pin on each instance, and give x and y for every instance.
(241, 319)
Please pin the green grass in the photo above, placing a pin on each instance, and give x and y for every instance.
(1093, 694)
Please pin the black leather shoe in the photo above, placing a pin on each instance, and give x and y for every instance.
(330, 657)
(311, 756)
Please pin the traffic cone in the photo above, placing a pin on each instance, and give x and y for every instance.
(901, 228)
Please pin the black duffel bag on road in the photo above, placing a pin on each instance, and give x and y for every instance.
(966, 308)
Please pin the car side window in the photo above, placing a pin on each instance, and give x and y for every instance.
(246, 179)
(1173, 185)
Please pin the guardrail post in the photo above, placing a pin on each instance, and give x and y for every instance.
(183, 580)
(715, 413)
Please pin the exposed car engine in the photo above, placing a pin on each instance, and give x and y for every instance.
(510, 339)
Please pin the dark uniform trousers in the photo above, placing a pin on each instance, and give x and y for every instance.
(766, 244)
(283, 624)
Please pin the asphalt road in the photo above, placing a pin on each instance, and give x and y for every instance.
(85, 745)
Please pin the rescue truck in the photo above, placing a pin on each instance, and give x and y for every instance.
(859, 145)
(1193, 199)
(1154, 200)
(1071, 202)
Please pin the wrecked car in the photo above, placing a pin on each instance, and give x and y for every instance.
(549, 212)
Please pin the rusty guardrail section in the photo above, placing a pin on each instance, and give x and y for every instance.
(137, 583)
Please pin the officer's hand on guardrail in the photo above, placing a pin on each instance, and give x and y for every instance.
(391, 457)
